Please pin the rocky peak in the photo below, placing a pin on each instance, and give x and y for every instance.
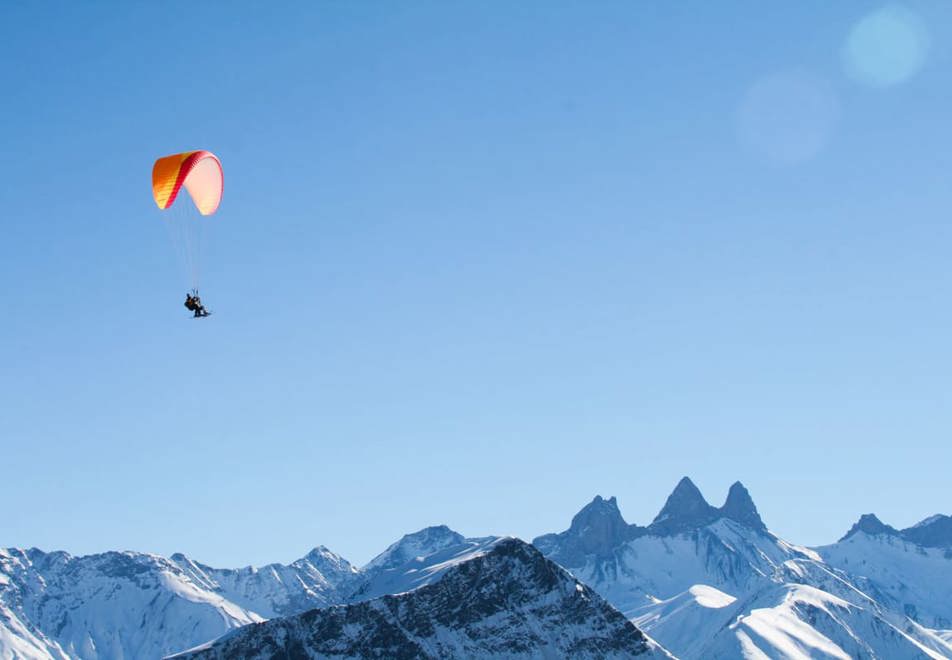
(508, 601)
(740, 507)
(595, 530)
(868, 523)
(326, 561)
(933, 532)
(600, 521)
(684, 509)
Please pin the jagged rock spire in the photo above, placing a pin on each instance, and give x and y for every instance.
(684, 509)
(595, 530)
(740, 507)
(599, 526)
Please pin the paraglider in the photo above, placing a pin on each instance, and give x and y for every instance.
(201, 174)
(194, 304)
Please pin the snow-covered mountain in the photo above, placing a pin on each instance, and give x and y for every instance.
(135, 605)
(111, 605)
(711, 581)
(318, 579)
(906, 576)
(504, 600)
(704, 581)
(688, 543)
(416, 560)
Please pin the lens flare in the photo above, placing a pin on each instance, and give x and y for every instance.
(788, 117)
(886, 47)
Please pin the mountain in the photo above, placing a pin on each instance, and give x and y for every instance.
(318, 579)
(126, 604)
(689, 542)
(702, 580)
(709, 581)
(740, 508)
(905, 576)
(505, 601)
(411, 546)
(933, 532)
(868, 523)
(416, 560)
(780, 621)
(111, 605)
(595, 531)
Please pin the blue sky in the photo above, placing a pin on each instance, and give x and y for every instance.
(475, 263)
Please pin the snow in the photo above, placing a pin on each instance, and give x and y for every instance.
(113, 605)
(724, 589)
(424, 566)
(781, 629)
(706, 596)
(901, 575)
(17, 641)
(507, 602)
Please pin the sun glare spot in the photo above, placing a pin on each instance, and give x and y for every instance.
(788, 117)
(886, 47)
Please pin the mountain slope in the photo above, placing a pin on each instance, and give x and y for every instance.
(112, 605)
(902, 575)
(690, 542)
(714, 582)
(416, 560)
(318, 579)
(792, 621)
(507, 601)
(53, 605)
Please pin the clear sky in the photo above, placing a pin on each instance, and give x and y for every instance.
(476, 262)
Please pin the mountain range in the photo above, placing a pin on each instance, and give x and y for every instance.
(504, 601)
(699, 581)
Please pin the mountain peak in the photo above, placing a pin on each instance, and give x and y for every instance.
(327, 562)
(599, 509)
(868, 523)
(933, 532)
(599, 526)
(322, 552)
(684, 509)
(545, 612)
(925, 522)
(740, 507)
(597, 529)
(418, 544)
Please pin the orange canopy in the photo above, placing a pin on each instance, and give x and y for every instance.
(199, 171)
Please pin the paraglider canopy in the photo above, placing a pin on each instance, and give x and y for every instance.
(200, 174)
(199, 171)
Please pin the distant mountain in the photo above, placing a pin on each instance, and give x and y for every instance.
(714, 582)
(904, 576)
(598, 529)
(111, 605)
(412, 546)
(318, 579)
(506, 601)
(416, 560)
(135, 605)
(933, 532)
